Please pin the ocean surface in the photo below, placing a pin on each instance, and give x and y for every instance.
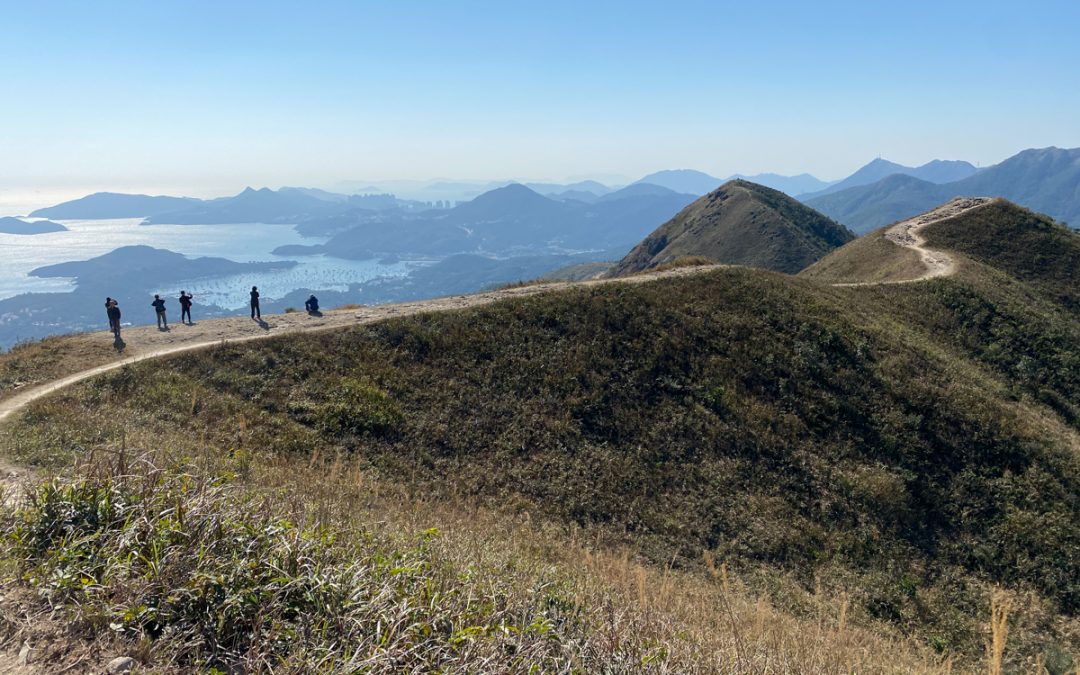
(19, 254)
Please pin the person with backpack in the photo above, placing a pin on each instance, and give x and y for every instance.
(159, 306)
(185, 306)
(255, 314)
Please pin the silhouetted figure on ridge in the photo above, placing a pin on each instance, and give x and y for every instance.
(159, 307)
(255, 314)
(112, 308)
(185, 306)
(312, 305)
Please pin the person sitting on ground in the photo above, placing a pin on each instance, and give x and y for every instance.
(185, 306)
(112, 308)
(159, 306)
(255, 314)
(312, 304)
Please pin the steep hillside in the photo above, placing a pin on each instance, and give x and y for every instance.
(910, 445)
(740, 223)
(1046, 180)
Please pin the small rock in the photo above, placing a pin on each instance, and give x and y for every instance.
(26, 654)
(121, 664)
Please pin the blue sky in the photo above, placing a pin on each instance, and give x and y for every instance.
(211, 96)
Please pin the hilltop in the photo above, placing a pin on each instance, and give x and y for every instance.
(740, 223)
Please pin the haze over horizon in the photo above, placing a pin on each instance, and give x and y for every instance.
(206, 98)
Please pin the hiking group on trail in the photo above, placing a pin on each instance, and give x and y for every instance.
(186, 300)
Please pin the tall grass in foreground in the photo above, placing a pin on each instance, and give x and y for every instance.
(313, 571)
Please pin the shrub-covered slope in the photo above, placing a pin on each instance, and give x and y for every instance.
(875, 439)
(740, 223)
(913, 446)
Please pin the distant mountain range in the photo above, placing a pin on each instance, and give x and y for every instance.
(10, 225)
(575, 214)
(937, 171)
(1045, 180)
(511, 220)
(740, 223)
(694, 182)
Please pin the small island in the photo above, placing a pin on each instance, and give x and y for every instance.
(146, 267)
(10, 225)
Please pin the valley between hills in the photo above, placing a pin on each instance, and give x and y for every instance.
(690, 468)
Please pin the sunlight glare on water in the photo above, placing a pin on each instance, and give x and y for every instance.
(19, 254)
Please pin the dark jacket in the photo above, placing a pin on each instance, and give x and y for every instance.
(158, 305)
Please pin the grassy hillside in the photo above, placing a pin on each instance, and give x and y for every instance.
(1026, 245)
(870, 258)
(740, 223)
(912, 447)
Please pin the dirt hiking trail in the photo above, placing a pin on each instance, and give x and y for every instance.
(147, 342)
(908, 233)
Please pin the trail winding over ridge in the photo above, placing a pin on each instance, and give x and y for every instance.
(908, 234)
(152, 343)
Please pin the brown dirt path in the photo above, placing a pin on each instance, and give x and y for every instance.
(908, 234)
(147, 342)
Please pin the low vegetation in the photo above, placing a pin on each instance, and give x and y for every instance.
(730, 471)
(870, 258)
(29, 363)
(1024, 244)
(740, 223)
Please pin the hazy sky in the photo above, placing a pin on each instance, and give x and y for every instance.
(211, 96)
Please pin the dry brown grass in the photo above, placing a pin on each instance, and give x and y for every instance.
(681, 261)
(640, 618)
(870, 258)
(51, 358)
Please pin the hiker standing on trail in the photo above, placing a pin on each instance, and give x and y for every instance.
(185, 306)
(159, 306)
(112, 308)
(255, 314)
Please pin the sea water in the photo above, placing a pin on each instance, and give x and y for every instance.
(247, 242)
